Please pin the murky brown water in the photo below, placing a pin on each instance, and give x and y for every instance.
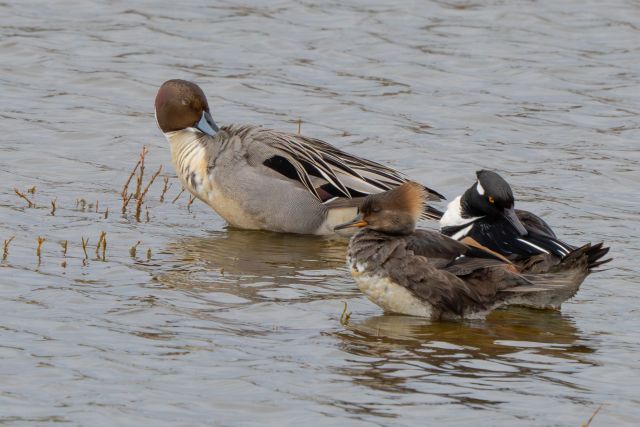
(546, 92)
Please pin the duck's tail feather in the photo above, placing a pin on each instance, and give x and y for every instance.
(432, 194)
(586, 257)
(431, 213)
(595, 254)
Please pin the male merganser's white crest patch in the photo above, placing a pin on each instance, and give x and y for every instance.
(480, 189)
(453, 215)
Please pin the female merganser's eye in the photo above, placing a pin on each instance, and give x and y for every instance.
(492, 200)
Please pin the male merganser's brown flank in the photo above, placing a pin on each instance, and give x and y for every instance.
(258, 178)
(425, 273)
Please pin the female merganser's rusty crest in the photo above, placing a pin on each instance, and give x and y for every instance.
(425, 273)
(257, 178)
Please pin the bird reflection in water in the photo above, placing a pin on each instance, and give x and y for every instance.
(260, 265)
(462, 361)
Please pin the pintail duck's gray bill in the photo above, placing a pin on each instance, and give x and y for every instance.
(511, 216)
(206, 124)
(358, 221)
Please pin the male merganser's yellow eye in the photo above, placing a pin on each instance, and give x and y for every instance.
(492, 200)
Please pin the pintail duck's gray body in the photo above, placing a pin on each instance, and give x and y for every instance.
(257, 178)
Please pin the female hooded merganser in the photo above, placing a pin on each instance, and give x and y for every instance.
(257, 178)
(425, 273)
(485, 215)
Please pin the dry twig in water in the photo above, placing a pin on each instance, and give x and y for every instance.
(140, 175)
(22, 196)
(190, 202)
(100, 239)
(5, 251)
(126, 197)
(85, 243)
(344, 317)
(53, 207)
(106, 213)
(134, 249)
(144, 193)
(165, 188)
(178, 196)
(39, 248)
(592, 416)
(149, 254)
(64, 244)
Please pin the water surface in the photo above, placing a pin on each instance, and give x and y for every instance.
(228, 327)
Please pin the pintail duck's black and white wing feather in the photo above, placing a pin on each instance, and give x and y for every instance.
(329, 173)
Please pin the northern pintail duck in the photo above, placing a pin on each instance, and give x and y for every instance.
(485, 214)
(425, 273)
(257, 178)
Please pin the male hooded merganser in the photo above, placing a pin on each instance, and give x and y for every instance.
(425, 273)
(485, 215)
(258, 178)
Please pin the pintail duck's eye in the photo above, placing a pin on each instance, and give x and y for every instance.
(492, 200)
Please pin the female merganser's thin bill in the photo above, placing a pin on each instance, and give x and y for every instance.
(485, 214)
(425, 273)
(258, 178)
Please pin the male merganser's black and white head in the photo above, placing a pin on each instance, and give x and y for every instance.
(183, 105)
(489, 198)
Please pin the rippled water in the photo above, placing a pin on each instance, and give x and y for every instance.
(229, 327)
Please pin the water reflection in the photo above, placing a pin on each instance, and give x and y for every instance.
(248, 263)
(398, 353)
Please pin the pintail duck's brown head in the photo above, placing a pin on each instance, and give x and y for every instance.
(393, 212)
(182, 105)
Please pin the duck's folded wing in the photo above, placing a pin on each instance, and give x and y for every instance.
(434, 245)
(324, 169)
(533, 223)
(450, 293)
